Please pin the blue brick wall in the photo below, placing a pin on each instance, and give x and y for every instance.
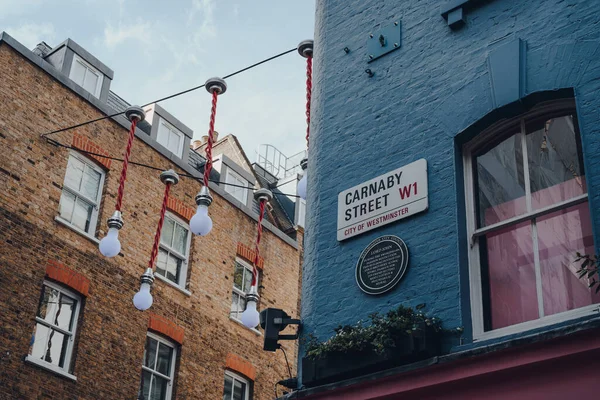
(420, 98)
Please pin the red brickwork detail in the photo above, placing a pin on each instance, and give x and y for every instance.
(165, 327)
(249, 254)
(238, 364)
(179, 208)
(65, 275)
(85, 144)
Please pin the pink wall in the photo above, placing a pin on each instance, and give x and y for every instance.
(559, 369)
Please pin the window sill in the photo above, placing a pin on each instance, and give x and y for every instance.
(77, 230)
(254, 330)
(592, 309)
(168, 282)
(50, 367)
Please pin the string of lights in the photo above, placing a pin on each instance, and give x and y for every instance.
(199, 179)
(169, 96)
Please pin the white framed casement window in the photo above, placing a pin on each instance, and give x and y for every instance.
(235, 387)
(242, 280)
(86, 76)
(53, 337)
(170, 137)
(527, 217)
(174, 250)
(81, 193)
(158, 368)
(233, 178)
(301, 212)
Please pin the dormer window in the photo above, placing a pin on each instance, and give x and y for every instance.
(170, 137)
(86, 76)
(235, 181)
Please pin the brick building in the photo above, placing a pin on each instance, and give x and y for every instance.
(463, 135)
(68, 329)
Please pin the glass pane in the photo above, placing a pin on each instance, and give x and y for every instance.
(555, 166)
(67, 203)
(236, 310)
(163, 362)
(239, 390)
(146, 381)
(90, 183)
(227, 395)
(174, 142)
(82, 215)
(74, 173)
(78, 72)
(511, 283)
(159, 388)
(48, 304)
(500, 182)
(247, 280)
(150, 352)
(180, 239)
(163, 135)
(560, 236)
(161, 262)
(238, 276)
(49, 345)
(91, 81)
(173, 268)
(166, 236)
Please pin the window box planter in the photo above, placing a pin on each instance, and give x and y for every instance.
(335, 367)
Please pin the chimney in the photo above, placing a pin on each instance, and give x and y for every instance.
(196, 144)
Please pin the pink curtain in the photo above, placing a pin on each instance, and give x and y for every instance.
(512, 281)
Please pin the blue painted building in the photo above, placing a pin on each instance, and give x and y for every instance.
(502, 99)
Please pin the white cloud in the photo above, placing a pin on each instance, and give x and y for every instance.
(30, 34)
(12, 7)
(114, 36)
(206, 10)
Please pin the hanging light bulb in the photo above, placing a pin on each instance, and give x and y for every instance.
(251, 317)
(110, 245)
(302, 184)
(142, 300)
(201, 224)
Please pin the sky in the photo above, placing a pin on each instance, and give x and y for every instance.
(157, 48)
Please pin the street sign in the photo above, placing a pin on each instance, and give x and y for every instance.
(380, 201)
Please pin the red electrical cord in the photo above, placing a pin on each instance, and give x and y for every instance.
(209, 145)
(160, 225)
(308, 95)
(263, 202)
(121, 191)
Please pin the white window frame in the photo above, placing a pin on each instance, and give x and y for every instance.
(171, 130)
(66, 370)
(171, 379)
(232, 177)
(473, 233)
(301, 221)
(88, 68)
(239, 292)
(237, 377)
(94, 202)
(184, 257)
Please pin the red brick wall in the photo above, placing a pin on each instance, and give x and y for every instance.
(111, 332)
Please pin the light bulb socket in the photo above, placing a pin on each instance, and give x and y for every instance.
(304, 164)
(203, 198)
(115, 221)
(215, 85)
(135, 112)
(252, 295)
(169, 177)
(263, 195)
(305, 48)
(147, 277)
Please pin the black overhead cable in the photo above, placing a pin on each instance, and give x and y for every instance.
(58, 144)
(168, 97)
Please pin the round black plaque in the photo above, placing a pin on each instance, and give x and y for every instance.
(381, 265)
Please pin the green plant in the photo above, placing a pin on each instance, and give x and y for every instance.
(589, 269)
(380, 335)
